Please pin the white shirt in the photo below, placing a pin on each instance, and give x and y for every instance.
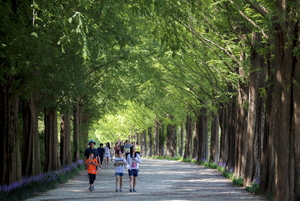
(119, 169)
(133, 163)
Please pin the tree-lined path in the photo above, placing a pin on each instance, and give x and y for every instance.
(158, 180)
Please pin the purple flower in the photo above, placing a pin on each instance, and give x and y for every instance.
(256, 180)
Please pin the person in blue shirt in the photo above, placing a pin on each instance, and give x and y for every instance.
(101, 151)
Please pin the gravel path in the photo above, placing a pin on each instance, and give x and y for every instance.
(158, 180)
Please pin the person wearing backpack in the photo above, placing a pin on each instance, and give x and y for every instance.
(133, 161)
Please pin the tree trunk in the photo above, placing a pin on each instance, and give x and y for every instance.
(83, 129)
(214, 140)
(188, 137)
(65, 140)
(150, 136)
(156, 131)
(171, 141)
(162, 139)
(181, 140)
(76, 152)
(296, 125)
(10, 170)
(232, 133)
(31, 162)
(145, 147)
(267, 172)
(282, 108)
(223, 115)
(252, 129)
(51, 141)
(202, 134)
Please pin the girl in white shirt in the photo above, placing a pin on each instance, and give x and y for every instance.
(119, 163)
(133, 161)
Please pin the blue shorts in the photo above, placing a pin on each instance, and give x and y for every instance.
(133, 172)
(119, 174)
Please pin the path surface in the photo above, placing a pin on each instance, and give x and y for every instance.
(158, 180)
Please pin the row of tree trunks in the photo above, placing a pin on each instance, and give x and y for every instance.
(10, 170)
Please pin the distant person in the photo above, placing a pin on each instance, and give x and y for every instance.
(138, 148)
(116, 149)
(119, 163)
(122, 147)
(107, 154)
(93, 150)
(127, 146)
(91, 166)
(101, 151)
(133, 161)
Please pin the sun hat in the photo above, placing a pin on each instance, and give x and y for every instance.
(92, 142)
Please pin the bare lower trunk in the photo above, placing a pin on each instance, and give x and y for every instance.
(31, 162)
(65, 140)
(76, 133)
(150, 137)
(202, 135)
(10, 170)
(188, 139)
(51, 141)
(171, 141)
(214, 140)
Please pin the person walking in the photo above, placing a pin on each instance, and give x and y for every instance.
(138, 148)
(91, 166)
(93, 150)
(127, 146)
(119, 163)
(101, 151)
(133, 161)
(107, 154)
(116, 149)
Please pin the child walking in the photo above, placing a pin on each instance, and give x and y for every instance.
(133, 160)
(92, 165)
(119, 163)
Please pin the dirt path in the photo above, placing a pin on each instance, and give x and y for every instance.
(158, 180)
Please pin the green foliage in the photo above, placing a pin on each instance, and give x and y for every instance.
(237, 181)
(254, 188)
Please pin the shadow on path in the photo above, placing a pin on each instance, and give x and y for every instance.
(158, 180)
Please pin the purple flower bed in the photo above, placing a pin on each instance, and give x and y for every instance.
(40, 182)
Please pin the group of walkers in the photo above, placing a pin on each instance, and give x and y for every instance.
(94, 158)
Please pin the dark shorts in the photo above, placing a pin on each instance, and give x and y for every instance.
(119, 174)
(133, 172)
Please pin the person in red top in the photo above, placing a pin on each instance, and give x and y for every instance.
(92, 164)
(117, 148)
